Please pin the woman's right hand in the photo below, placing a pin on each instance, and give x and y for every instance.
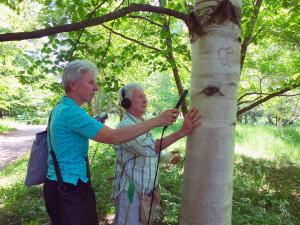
(167, 117)
(191, 120)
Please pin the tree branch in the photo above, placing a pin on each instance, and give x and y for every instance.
(256, 93)
(95, 21)
(244, 95)
(131, 39)
(244, 102)
(171, 60)
(275, 94)
(145, 18)
(248, 38)
(291, 95)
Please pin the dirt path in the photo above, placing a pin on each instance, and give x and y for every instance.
(15, 144)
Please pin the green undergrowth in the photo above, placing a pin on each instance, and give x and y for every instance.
(266, 190)
(5, 129)
(19, 204)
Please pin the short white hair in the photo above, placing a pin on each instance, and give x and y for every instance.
(74, 70)
(128, 89)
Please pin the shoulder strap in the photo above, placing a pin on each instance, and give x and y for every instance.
(55, 162)
(88, 169)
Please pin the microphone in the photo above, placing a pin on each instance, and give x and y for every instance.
(181, 99)
(179, 102)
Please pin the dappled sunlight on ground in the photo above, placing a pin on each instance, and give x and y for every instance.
(8, 181)
(253, 153)
(265, 191)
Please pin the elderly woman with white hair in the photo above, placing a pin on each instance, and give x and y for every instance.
(69, 197)
(136, 160)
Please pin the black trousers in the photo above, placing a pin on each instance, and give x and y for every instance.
(75, 206)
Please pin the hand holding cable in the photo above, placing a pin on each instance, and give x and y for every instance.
(167, 117)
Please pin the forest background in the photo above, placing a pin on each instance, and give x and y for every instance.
(154, 50)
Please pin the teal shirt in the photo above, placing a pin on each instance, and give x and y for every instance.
(70, 129)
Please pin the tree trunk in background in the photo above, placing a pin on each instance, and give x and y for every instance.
(208, 169)
(171, 59)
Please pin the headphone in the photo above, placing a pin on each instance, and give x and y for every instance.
(125, 103)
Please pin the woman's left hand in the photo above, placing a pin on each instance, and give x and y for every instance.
(191, 120)
(176, 157)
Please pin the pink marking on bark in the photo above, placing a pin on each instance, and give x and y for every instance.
(225, 55)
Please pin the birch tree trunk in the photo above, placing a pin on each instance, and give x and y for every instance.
(208, 169)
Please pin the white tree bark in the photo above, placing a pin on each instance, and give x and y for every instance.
(208, 169)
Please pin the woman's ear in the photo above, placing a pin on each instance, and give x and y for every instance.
(72, 85)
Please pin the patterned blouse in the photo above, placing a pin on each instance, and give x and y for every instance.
(136, 161)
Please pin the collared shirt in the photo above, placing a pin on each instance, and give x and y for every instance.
(70, 129)
(136, 161)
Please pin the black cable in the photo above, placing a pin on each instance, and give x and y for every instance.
(160, 146)
(95, 152)
(158, 159)
(124, 167)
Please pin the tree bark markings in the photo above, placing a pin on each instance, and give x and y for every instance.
(208, 168)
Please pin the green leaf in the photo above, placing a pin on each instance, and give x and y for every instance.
(131, 190)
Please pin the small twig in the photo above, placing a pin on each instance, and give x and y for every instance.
(119, 5)
(109, 39)
(131, 39)
(187, 69)
(81, 32)
(108, 43)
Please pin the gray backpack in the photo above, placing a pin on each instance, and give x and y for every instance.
(37, 164)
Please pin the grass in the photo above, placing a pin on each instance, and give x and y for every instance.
(265, 193)
(8, 125)
(19, 204)
(266, 182)
(5, 129)
(280, 144)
